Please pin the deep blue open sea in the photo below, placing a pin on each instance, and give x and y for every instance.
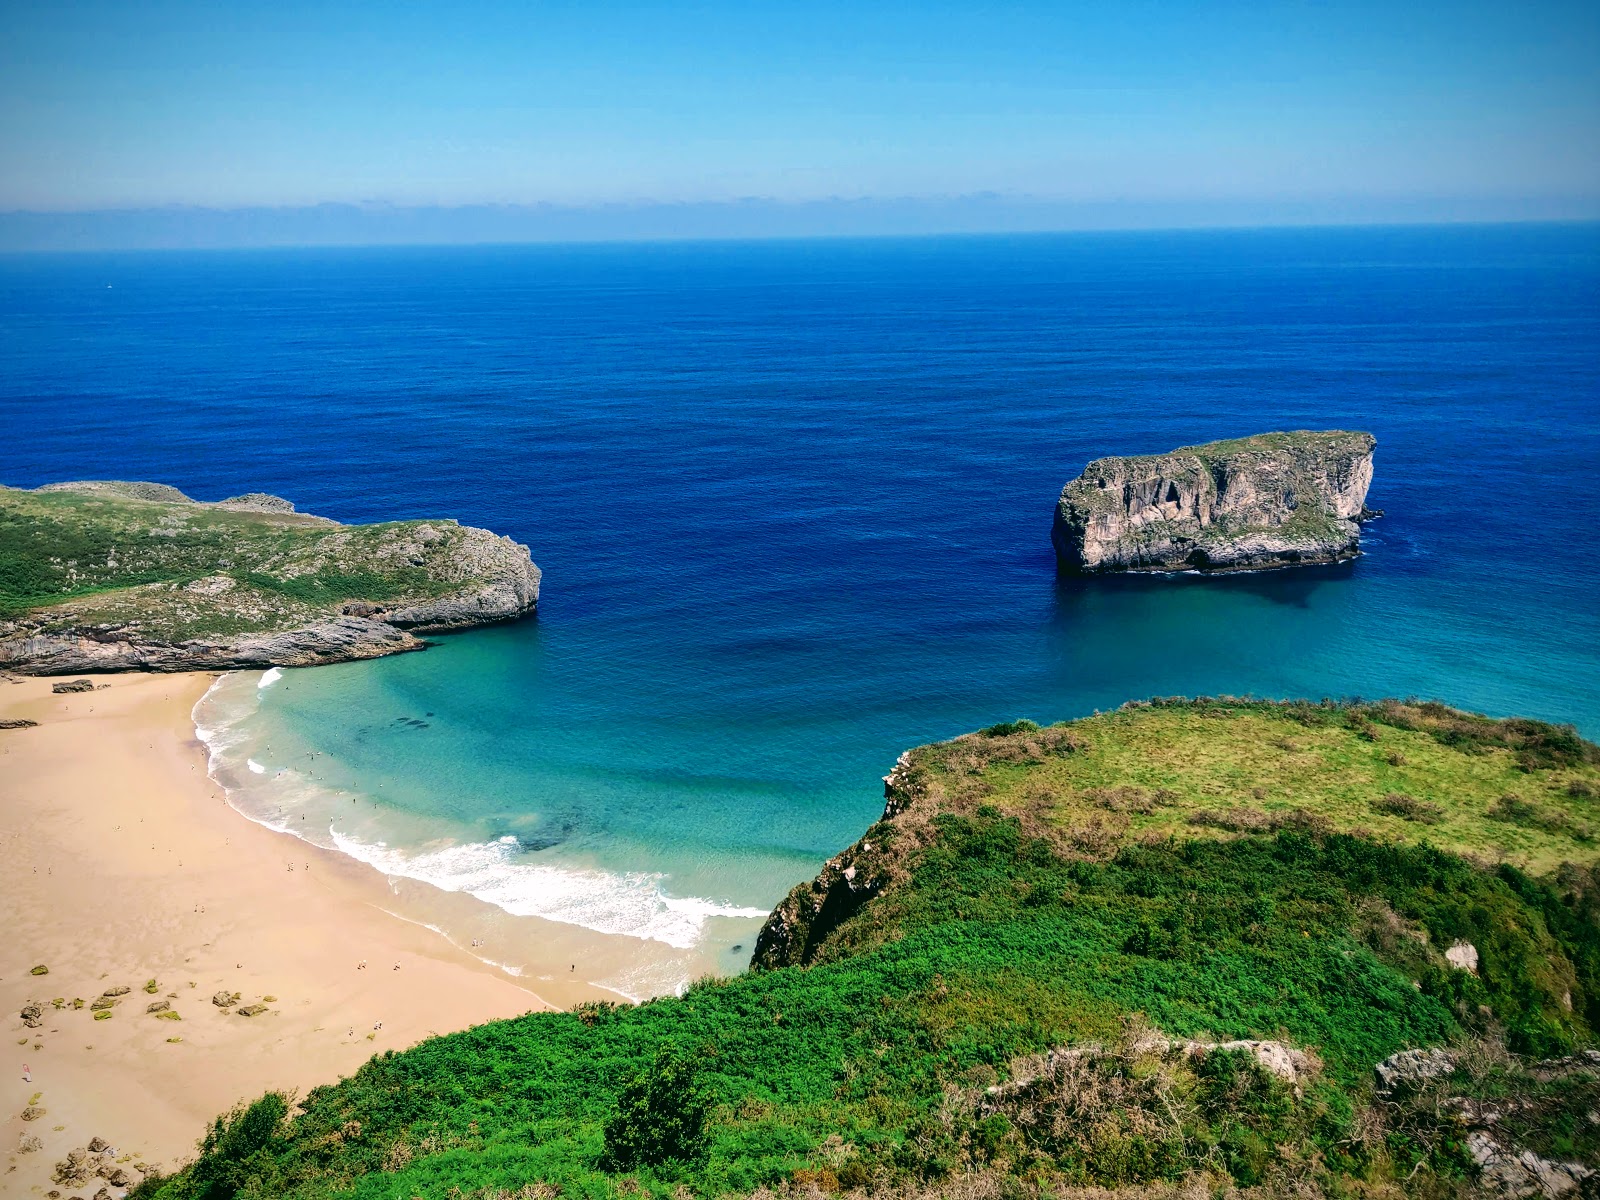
(792, 502)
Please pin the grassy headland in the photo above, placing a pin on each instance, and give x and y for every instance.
(143, 565)
(1016, 982)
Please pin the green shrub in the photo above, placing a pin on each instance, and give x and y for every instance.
(660, 1116)
(1007, 728)
(1409, 808)
(236, 1149)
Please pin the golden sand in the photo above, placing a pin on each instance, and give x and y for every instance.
(123, 863)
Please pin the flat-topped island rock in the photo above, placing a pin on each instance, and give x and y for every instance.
(1271, 500)
(115, 576)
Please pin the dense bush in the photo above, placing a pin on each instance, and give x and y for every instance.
(660, 1116)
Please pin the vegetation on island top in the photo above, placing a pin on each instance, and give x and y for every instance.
(1070, 920)
(1319, 440)
(123, 557)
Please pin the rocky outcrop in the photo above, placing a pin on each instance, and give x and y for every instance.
(1289, 1063)
(796, 929)
(121, 488)
(1515, 1173)
(1410, 1069)
(246, 583)
(1505, 1169)
(85, 1164)
(1272, 500)
(341, 639)
(259, 502)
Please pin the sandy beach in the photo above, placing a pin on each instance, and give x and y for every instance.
(126, 868)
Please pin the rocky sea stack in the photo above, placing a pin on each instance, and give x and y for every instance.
(1272, 500)
(114, 576)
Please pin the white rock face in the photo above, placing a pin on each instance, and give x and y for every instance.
(1411, 1068)
(1463, 956)
(1272, 500)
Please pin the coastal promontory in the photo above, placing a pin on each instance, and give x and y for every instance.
(1187, 948)
(112, 576)
(1271, 500)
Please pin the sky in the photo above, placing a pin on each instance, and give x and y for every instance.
(1167, 108)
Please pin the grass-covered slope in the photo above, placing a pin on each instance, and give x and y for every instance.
(1017, 982)
(108, 575)
(1514, 791)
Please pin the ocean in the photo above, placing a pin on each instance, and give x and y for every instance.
(792, 502)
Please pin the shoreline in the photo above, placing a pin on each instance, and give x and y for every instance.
(127, 864)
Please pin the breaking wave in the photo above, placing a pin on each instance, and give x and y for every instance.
(499, 872)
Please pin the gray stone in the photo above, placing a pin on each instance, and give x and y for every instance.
(75, 685)
(257, 502)
(1286, 1062)
(1513, 1173)
(1272, 500)
(1409, 1068)
(1463, 956)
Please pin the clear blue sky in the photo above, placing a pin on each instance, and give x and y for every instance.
(121, 104)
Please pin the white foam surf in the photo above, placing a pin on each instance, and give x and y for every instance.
(497, 873)
(269, 677)
(500, 873)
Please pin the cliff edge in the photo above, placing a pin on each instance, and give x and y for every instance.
(117, 576)
(1271, 500)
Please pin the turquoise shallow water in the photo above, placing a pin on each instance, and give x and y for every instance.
(793, 501)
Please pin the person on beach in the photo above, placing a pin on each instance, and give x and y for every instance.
(27, 1075)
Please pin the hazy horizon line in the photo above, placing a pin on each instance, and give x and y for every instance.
(376, 223)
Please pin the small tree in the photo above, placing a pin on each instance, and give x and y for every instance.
(660, 1116)
(236, 1147)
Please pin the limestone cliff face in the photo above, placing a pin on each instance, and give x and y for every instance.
(1272, 500)
(796, 929)
(147, 579)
